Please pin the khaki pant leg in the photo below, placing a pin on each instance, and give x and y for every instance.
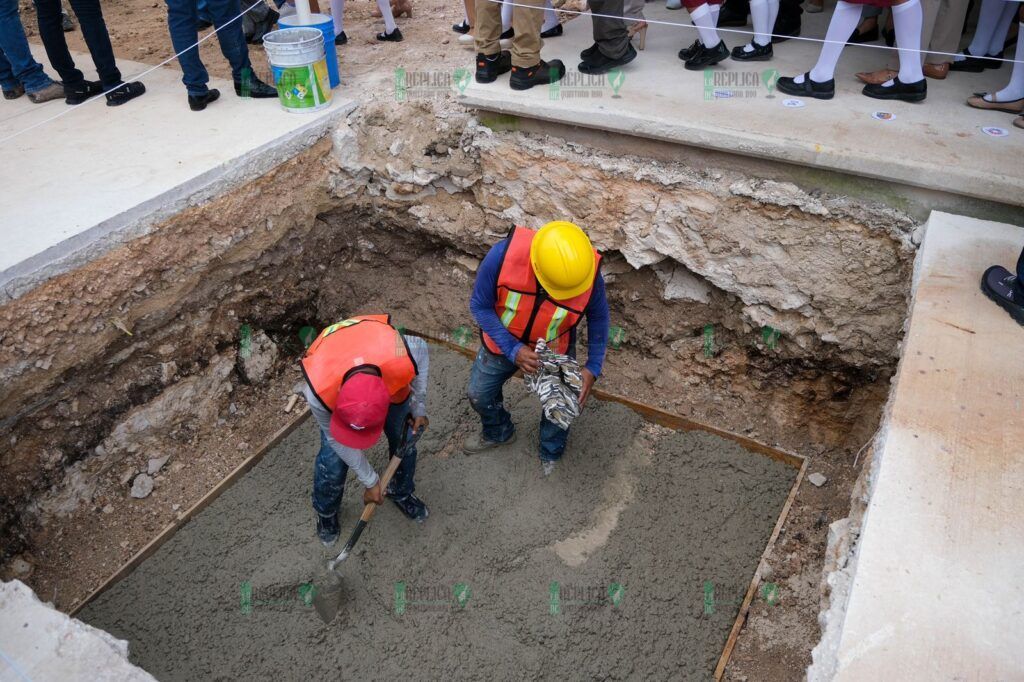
(487, 30)
(526, 21)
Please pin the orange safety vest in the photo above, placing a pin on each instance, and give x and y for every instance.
(361, 341)
(525, 308)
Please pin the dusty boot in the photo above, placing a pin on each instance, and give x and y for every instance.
(327, 529)
(477, 444)
(547, 467)
(1001, 285)
(410, 505)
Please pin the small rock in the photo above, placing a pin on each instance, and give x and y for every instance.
(109, 509)
(156, 464)
(817, 479)
(167, 372)
(256, 365)
(126, 476)
(243, 446)
(766, 572)
(175, 507)
(142, 486)
(21, 568)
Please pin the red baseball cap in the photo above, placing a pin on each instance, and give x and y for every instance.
(360, 411)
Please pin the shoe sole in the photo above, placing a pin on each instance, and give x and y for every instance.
(1015, 311)
(492, 79)
(701, 67)
(761, 58)
(812, 95)
(903, 98)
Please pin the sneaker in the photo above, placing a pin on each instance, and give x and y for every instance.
(1001, 285)
(760, 53)
(547, 468)
(125, 92)
(15, 92)
(50, 92)
(477, 444)
(687, 52)
(808, 88)
(906, 92)
(542, 73)
(199, 102)
(411, 506)
(598, 64)
(80, 92)
(489, 68)
(552, 32)
(707, 56)
(327, 529)
(393, 37)
(255, 88)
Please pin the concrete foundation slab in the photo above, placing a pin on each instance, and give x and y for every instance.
(936, 590)
(98, 175)
(938, 144)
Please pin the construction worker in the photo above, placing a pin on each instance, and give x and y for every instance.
(364, 377)
(535, 284)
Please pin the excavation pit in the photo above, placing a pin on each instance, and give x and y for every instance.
(631, 560)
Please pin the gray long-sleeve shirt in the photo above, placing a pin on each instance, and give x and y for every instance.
(355, 459)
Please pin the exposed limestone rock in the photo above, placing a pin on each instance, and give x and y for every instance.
(256, 360)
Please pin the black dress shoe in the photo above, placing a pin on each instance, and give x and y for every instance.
(760, 53)
(80, 92)
(251, 86)
(125, 92)
(552, 32)
(461, 28)
(707, 56)
(489, 68)
(508, 35)
(868, 36)
(906, 92)
(587, 53)
(808, 88)
(688, 52)
(728, 17)
(393, 37)
(199, 102)
(971, 65)
(524, 78)
(599, 63)
(992, 61)
(340, 39)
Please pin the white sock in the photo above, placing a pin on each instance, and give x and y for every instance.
(702, 20)
(995, 46)
(550, 17)
(1015, 88)
(714, 9)
(759, 13)
(844, 20)
(773, 14)
(506, 16)
(389, 18)
(907, 19)
(338, 14)
(988, 18)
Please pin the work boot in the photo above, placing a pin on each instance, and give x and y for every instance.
(707, 56)
(410, 505)
(393, 37)
(489, 68)
(474, 445)
(327, 529)
(1002, 286)
(542, 73)
(547, 467)
(199, 102)
(598, 63)
(251, 86)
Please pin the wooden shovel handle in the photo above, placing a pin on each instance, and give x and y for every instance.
(385, 479)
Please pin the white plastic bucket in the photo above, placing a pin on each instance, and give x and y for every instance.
(298, 63)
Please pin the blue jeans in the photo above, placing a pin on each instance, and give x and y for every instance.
(17, 66)
(489, 374)
(330, 471)
(182, 20)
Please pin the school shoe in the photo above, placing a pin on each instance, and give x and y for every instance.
(687, 53)
(393, 37)
(760, 53)
(730, 18)
(15, 92)
(81, 92)
(199, 102)
(410, 505)
(461, 28)
(599, 63)
(124, 93)
(906, 92)
(327, 529)
(1003, 287)
(489, 68)
(553, 32)
(707, 56)
(542, 73)
(255, 88)
(589, 52)
(971, 64)
(808, 88)
(474, 445)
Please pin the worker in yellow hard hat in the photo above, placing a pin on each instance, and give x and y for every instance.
(534, 284)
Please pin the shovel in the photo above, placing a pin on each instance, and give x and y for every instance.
(327, 600)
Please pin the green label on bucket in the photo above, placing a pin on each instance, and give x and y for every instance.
(303, 87)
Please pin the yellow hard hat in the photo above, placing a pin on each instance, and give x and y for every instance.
(562, 259)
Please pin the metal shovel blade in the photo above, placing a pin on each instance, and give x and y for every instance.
(328, 597)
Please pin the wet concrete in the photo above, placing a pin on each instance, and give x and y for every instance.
(598, 571)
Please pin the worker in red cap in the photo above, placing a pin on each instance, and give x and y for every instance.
(364, 377)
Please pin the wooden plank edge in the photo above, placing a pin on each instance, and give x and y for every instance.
(187, 515)
(741, 617)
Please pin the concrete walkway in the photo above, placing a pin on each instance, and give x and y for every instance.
(937, 591)
(936, 144)
(98, 175)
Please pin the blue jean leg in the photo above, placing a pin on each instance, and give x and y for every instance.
(402, 482)
(486, 379)
(7, 79)
(182, 19)
(14, 46)
(231, 36)
(329, 474)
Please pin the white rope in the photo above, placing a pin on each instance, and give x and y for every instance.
(1019, 59)
(134, 78)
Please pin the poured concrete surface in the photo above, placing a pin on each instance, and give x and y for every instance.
(78, 185)
(38, 642)
(646, 515)
(937, 590)
(937, 144)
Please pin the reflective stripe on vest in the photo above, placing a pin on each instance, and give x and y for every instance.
(365, 340)
(525, 308)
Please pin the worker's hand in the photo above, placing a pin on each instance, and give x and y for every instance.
(588, 383)
(420, 424)
(373, 495)
(527, 360)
